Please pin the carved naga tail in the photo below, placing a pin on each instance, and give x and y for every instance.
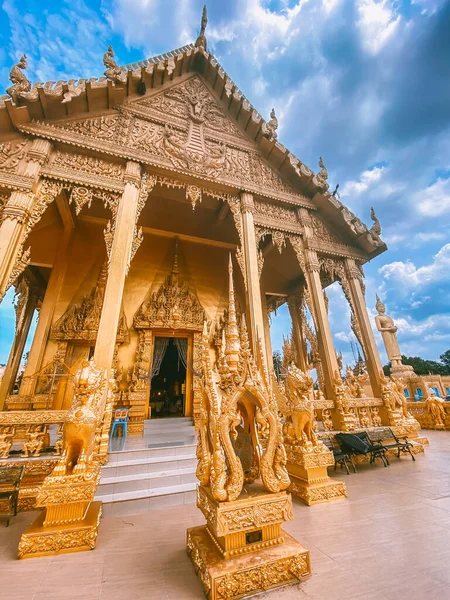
(203, 455)
(235, 480)
(273, 473)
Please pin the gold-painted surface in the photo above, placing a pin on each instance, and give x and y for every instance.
(69, 521)
(246, 574)
(47, 540)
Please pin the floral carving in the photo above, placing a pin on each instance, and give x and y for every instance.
(81, 321)
(11, 155)
(90, 164)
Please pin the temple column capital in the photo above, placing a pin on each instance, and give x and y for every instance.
(133, 173)
(247, 203)
(39, 151)
(312, 262)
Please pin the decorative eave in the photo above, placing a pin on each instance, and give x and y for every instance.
(83, 98)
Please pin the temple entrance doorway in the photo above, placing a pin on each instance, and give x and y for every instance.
(170, 377)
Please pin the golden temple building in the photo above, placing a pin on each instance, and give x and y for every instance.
(155, 222)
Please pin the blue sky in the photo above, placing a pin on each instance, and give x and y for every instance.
(363, 83)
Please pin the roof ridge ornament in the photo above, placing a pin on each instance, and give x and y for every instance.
(323, 173)
(20, 82)
(201, 40)
(113, 71)
(271, 127)
(376, 227)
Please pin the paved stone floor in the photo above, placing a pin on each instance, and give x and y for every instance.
(389, 540)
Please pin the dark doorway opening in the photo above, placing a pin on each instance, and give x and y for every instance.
(168, 386)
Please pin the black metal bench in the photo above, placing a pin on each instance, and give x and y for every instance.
(359, 443)
(379, 436)
(340, 457)
(10, 478)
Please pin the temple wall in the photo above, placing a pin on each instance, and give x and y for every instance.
(202, 266)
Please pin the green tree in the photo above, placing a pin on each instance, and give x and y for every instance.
(445, 359)
(422, 366)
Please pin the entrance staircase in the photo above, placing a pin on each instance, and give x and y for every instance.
(152, 472)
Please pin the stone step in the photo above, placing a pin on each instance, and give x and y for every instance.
(149, 465)
(144, 454)
(145, 481)
(138, 501)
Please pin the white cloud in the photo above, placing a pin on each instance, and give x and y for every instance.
(435, 199)
(367, 179)
(52, 41)
(377, 22)
(408, 275)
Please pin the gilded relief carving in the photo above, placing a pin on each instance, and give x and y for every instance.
(81, 320)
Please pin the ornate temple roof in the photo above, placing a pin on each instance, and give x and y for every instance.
(52, 102)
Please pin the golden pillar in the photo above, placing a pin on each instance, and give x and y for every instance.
(297, 334)
(16, 214)
(323, 331)
(24, 316)
(46, 313)
(373, 361)
(254, 303)
(119, 261)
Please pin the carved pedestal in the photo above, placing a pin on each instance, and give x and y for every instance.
(69, 521)
(307, 468)
(242, 549)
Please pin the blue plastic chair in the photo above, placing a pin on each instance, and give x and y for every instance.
(120, 420)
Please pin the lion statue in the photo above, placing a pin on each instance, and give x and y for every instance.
(299, 408)
(79, 429)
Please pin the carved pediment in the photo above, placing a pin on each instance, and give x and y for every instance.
(81, 320)
(174, 306)
(182, 127)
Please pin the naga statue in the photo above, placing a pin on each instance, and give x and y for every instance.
(20, 82)
(113, 71)
(272, 126)
(298, 407)
(237, 398)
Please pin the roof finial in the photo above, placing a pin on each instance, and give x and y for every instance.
(322, 175)
(272, 126)
(201, 40)
(376, 227)
(19, 80)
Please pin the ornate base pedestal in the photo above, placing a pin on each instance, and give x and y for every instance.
(70, 520)
(307, 467)
(44, 540)
(249, 573)
(242, 549)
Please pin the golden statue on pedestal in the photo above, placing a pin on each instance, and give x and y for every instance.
(70, 519)
(238, 402)
(308, 458)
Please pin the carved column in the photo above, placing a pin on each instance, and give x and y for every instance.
(25, 306)
(254, 304)
(119, 260)
(324, 338)
(267, 339)
(16, 214)
(297, 333)
(373, 361)
(46, 313)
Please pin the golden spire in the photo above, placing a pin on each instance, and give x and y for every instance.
(201, 40)
(232, 333)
